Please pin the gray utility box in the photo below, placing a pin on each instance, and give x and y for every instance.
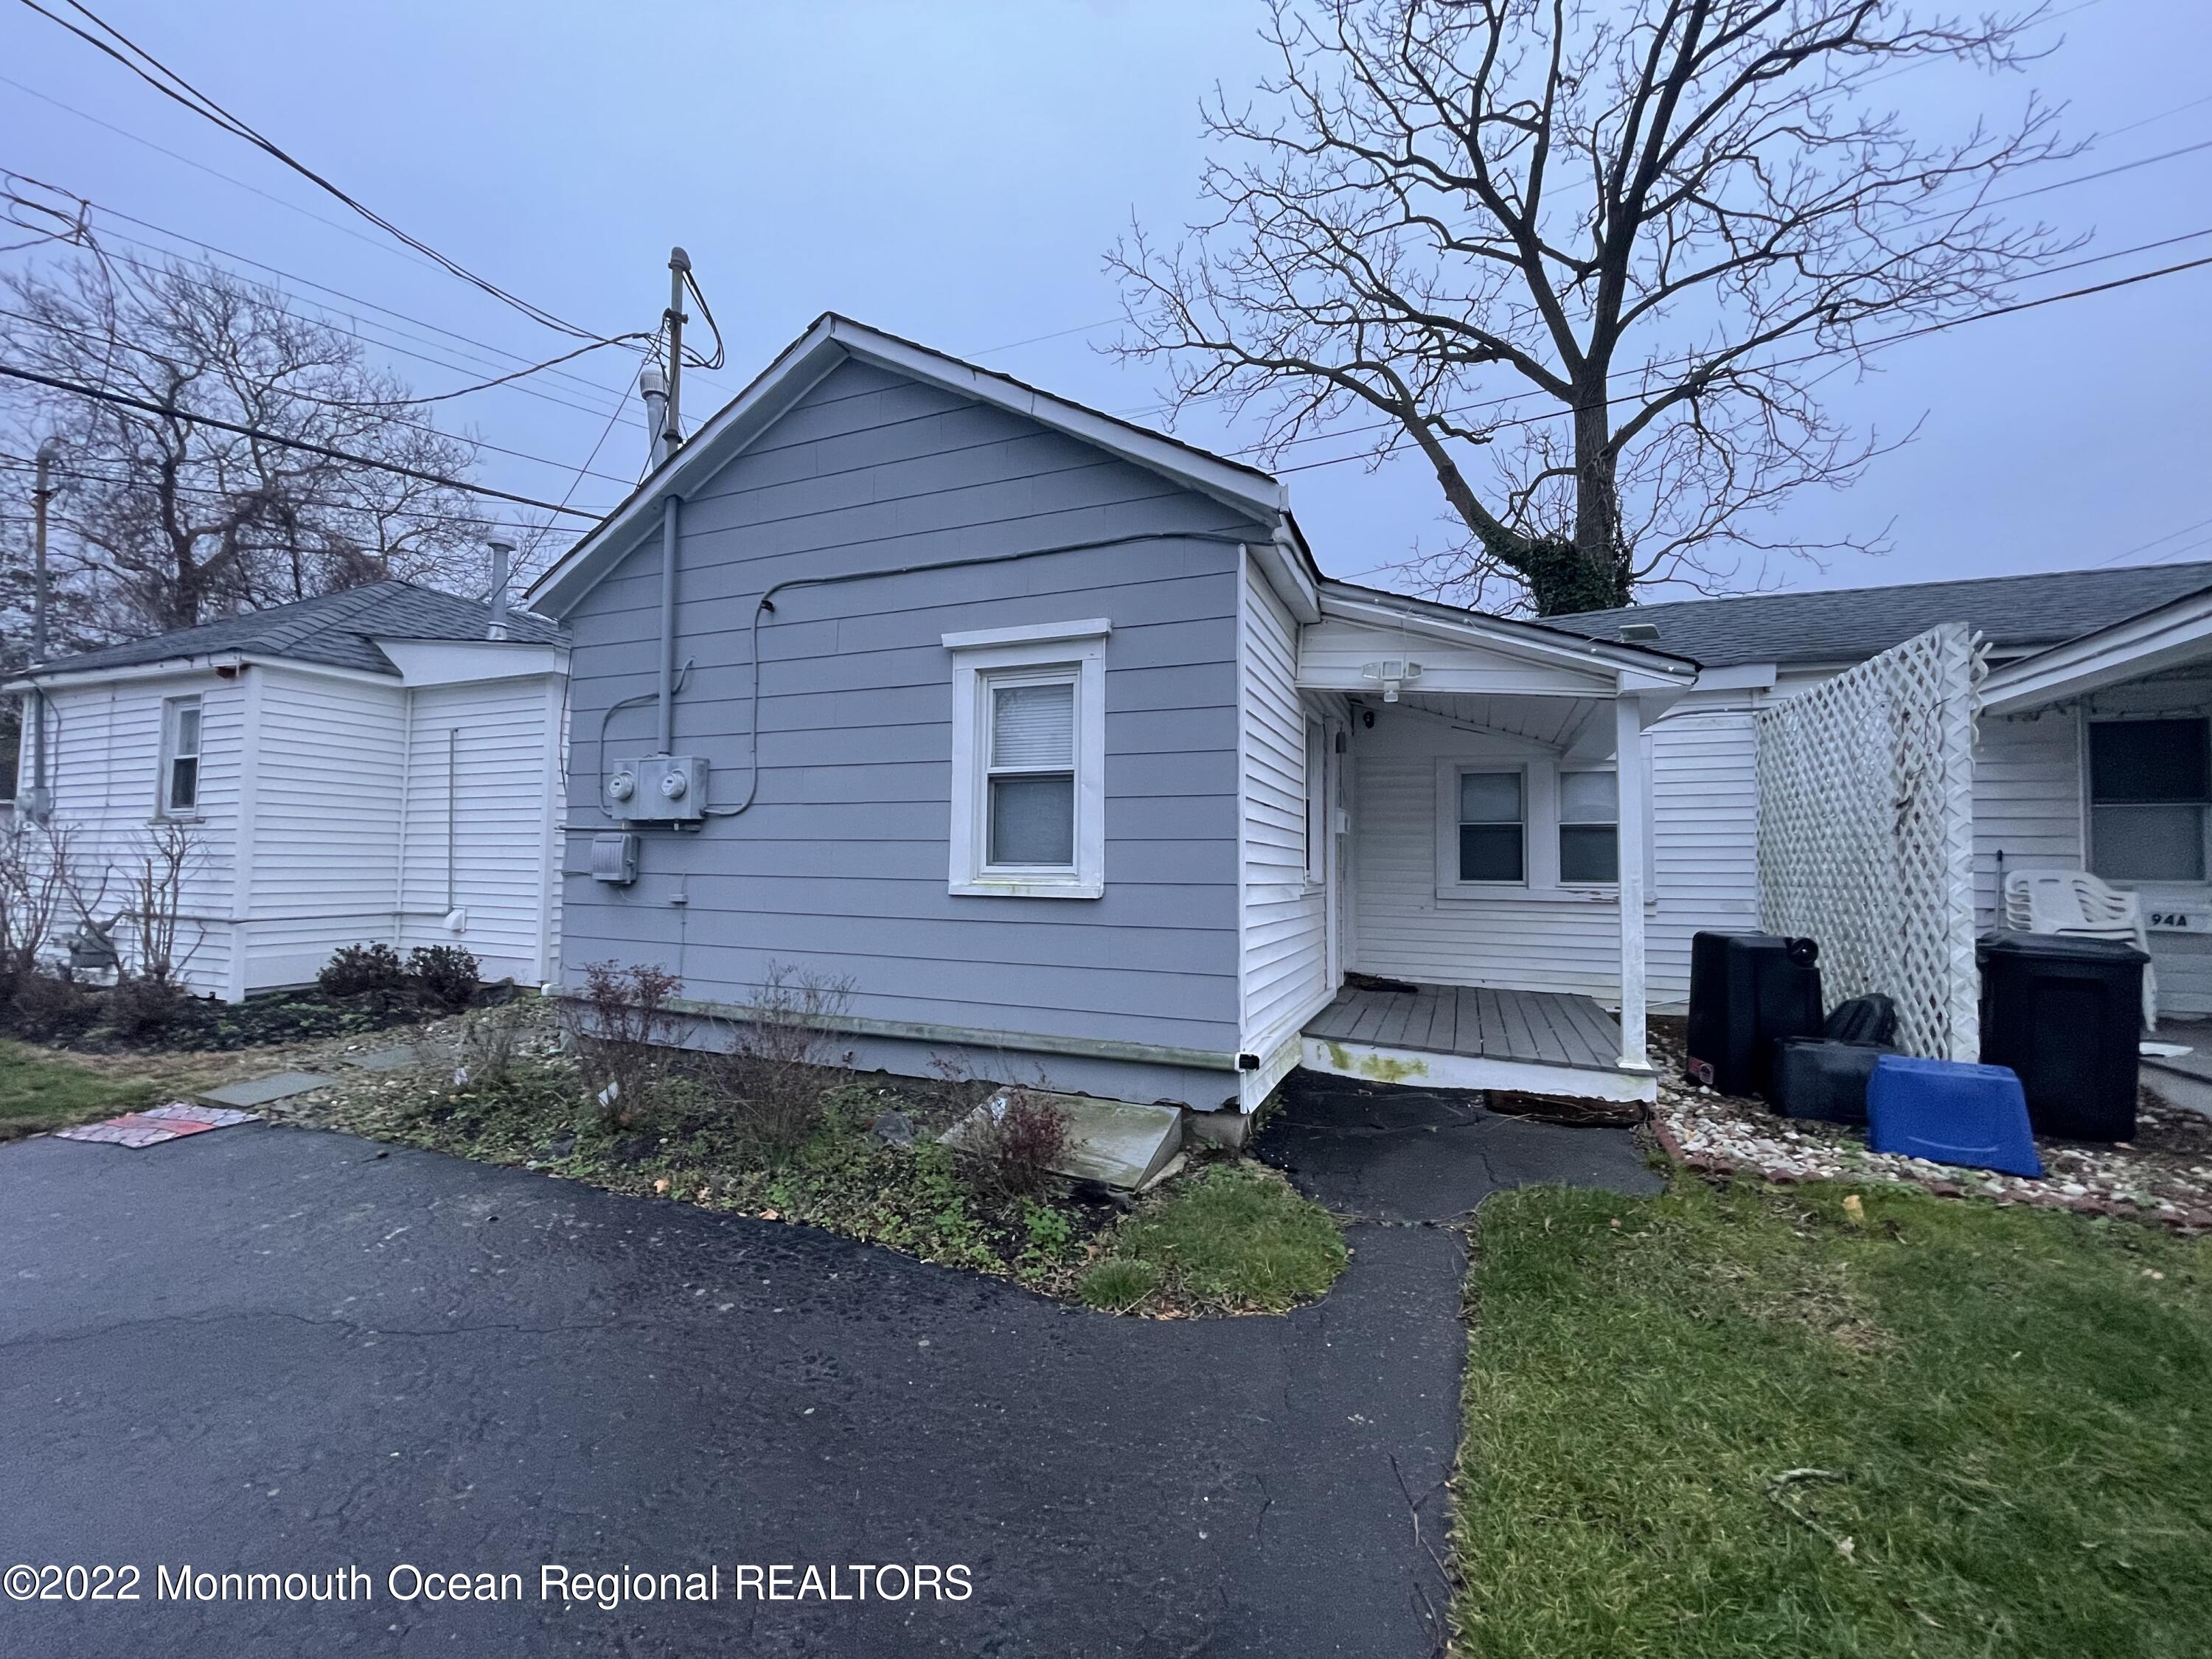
(657, 789)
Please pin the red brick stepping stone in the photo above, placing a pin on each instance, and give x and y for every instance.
(156, 1124)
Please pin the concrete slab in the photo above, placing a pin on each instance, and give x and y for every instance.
(266, 1091)
(1117, 1143)
(398, 1058)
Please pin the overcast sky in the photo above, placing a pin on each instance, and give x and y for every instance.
(952, 171)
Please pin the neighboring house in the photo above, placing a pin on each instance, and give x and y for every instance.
(367, 766)
(2093, 749)
(1043, 735)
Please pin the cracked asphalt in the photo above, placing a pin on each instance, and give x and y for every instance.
(285, 1351)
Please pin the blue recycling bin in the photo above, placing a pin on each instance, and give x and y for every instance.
(1950, 1112)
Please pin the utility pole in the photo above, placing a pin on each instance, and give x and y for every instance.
(42, 489)
(671, 434)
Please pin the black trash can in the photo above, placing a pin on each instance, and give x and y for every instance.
(2066, 1014)
(1747, 991)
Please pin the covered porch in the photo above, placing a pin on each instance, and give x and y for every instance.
(1491, 866)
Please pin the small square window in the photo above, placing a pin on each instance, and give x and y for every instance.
(1589, 829)
(181, 756)
(1491, 843)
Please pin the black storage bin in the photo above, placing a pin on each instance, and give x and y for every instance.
(1823, 1078)
(1747, 992)
(2066, 1015)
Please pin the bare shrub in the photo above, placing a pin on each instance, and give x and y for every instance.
(489, 1044)
(40, 883)
(1021, 1135)
(620, 1022)
(785, 1054)
(167, 855)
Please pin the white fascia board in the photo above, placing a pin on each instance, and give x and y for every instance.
(458, 662)
(1605, 665)
(1743, 677)
(1285, 564)
(1091, 627)
(2165, 638)
(168, 668)
(834, 340)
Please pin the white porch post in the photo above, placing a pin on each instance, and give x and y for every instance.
(1634, 785)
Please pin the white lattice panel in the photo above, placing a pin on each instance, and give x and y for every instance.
(1866, 833)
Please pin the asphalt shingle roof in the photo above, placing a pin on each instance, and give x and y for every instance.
(338, 630)
(2018, 613)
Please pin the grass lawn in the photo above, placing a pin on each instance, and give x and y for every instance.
(41, 1091)
(2006, 1415)
(1236, 1238)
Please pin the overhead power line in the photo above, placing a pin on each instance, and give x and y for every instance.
(174, 86)
(122, 401)
(110, 243)
(339, 402)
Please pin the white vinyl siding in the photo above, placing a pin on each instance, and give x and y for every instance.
(105, 759)
(1285, 967)
(495, 735)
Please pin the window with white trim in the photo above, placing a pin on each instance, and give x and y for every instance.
(1589, 829)
(181, 756)
(2150, 784)
(1316, 801)
(1493, 841)
(1028, 743)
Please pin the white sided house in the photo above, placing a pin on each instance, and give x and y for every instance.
(377, 765)
(2093, 751)
(1043, 734)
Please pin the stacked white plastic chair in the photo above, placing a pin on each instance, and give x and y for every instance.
(2075, 903)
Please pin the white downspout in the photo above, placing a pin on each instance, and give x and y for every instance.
(1633, 785)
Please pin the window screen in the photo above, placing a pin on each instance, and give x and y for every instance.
(1031, 784)
(1589, 827)
(1491, 847)
(2149, 781)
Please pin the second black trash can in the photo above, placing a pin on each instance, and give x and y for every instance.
(2066, 1015)
(1747, 991)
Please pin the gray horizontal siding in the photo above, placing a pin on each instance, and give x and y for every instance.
(840, 866)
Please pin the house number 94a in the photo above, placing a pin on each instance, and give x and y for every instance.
(2179, 921)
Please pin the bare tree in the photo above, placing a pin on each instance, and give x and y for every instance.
(1590, 257)
(166, 521)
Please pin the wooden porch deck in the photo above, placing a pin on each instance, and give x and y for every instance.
(1539, 1041)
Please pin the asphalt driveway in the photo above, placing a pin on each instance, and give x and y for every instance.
(283, 1352)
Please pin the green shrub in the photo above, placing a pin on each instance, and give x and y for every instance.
(362, 969)
(444, 975)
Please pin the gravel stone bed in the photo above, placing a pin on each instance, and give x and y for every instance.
(2164, 1175)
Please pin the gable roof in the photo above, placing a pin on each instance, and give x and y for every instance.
(2017, 613)
(832, 340)
(339, 630)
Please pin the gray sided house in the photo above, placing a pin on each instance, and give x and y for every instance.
(1043, 733)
